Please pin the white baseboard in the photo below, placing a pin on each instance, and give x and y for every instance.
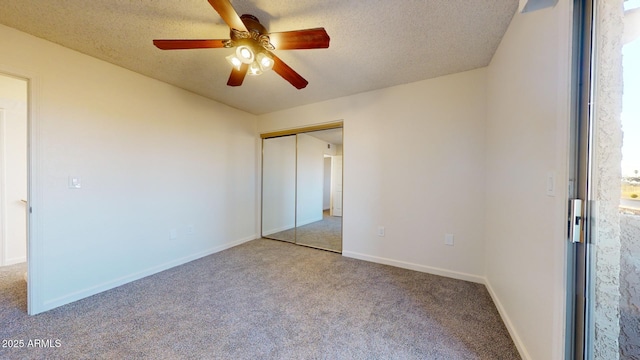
(309, 221)
(416, 267)
(81, 294)
(273, 231)
(455, 275)
(14, 261)
(300, 223)
(507, 322)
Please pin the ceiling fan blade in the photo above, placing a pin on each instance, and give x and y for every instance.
(237, 76)
(188, 44)
(288, 73)
(300, 39)
(228, 14)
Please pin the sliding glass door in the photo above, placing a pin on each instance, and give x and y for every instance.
(605, 256)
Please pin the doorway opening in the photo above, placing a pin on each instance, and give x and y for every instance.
(14, 109)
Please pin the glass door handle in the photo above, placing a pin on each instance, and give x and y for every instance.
(575, 221)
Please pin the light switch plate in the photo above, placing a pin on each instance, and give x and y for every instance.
(448, 239)
(551, 183)
(75, 182)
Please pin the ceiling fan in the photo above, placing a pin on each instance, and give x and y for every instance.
(254, 45)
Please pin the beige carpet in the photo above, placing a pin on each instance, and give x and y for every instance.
(325, 234)
(265, 300)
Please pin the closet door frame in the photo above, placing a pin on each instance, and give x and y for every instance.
(282, 133)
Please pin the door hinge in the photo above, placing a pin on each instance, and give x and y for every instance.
(576, 221)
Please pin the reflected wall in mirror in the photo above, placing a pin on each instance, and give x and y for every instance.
(279, 188)
(304, 185)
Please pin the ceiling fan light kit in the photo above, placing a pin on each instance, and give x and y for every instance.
(234, 61)
(254, 69)
(254, 45)
(265, 61)
(245, 54)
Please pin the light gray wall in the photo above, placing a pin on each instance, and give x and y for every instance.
(427, 179)
(527, 138)
(153, 159)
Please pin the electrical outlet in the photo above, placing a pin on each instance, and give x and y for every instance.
(448, 239)
(173, 234)
(190, 229)
(380, 230)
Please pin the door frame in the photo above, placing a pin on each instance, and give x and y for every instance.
(3, 230)
(4, 203)
(333, 191)
(296, 131)
(33, 189)
(579, 323)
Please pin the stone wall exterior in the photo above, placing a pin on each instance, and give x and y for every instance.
(606, 177)
(630, 287)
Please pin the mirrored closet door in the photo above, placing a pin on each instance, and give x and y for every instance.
(302, 188)
(279, 188)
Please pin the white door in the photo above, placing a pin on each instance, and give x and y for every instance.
(336, 186)
(13, 170)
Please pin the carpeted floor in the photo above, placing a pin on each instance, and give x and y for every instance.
(325, 234)
(265, 300)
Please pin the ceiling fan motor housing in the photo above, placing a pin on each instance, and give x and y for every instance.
(256, 37)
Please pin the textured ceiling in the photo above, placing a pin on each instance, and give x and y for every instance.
(374, 43)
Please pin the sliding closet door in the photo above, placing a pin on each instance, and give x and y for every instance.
(279, 188)
(302, 188)
(310, 183)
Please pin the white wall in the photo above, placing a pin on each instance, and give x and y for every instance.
(13, 170)
(413, 163)
(309, 179)
(526, 137)
(152, 158)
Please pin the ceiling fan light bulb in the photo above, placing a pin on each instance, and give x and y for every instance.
(245, 54)
(265, 61)
(254, 69)
(234, 61)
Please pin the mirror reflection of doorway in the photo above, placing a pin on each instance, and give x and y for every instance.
(302, 188)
